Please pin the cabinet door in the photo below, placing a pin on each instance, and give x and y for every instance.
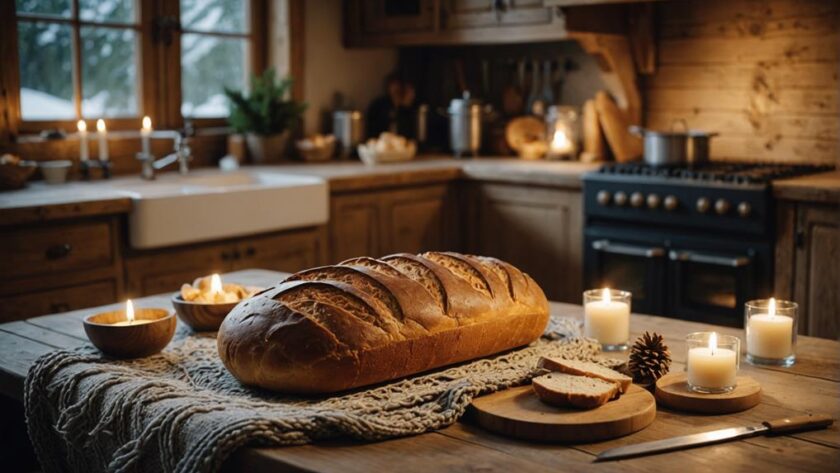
(818, 270)
(416, 220)
(289, 252)
(354, 226)
(462, 14)
(159, 271)
(538, 230)
(396, 16)
(52, 301)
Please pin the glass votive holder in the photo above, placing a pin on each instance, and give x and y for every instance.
(770, 326)
(712, 362)
(606, 315)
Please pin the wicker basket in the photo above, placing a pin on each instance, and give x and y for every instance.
(14, 176)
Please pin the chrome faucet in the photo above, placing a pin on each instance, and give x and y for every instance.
(182, 154)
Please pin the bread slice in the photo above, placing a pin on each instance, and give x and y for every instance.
(586, 368)
(561, 389)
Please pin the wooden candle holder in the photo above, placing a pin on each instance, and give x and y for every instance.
(131, 341)
(201, 316)
(672, 391)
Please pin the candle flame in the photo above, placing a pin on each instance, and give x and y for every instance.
(713, 342)
(100, 125)
(560, 142)
(606, 295)
(147, 123)
(81, 125)
(215, 284)
(129, 311)
(772, 307)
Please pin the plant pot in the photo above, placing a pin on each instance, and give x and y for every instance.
(267, 148)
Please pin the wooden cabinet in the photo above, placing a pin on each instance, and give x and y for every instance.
(808, 265)
(539, 230)
(164, 270)
(59, 266)
(463, 14)
(408, 220)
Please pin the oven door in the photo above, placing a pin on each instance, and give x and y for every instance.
(710, 287)
(631, 266)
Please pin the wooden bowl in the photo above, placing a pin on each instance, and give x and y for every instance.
(200, 316)
(131, 341)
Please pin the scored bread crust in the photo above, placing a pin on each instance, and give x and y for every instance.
(367, 320)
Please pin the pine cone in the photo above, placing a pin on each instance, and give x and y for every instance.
(649, 358)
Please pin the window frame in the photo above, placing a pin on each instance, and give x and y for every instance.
(158, 30)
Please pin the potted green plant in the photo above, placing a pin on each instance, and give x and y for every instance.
(264, 115)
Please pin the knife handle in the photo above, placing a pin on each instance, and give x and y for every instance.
(798, 423)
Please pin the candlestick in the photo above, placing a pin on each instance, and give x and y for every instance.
(131, 333)
(83, 140)
(607, 317)
(712, 362)
(145, 134)
(102, 132)
(771, 332)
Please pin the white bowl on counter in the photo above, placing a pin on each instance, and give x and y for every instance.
(55, 172)
(370, 155)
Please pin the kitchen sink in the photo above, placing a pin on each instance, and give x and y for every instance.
(211, 204)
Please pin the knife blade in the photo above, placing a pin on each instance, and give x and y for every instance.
(778, 426)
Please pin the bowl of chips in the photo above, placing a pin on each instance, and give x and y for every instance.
(205, 303)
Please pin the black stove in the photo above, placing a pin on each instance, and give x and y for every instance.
(692, 242)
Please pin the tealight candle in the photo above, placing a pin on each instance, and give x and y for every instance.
(83, 140)
(145, 134)
(131, 333)
(607, 317)
(771, 332)
(712, 362)
(102, 131)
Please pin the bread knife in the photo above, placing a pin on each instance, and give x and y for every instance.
(773, 427)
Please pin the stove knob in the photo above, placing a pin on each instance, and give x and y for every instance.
(653, 201)
(603, 198)
(671, 203)
(703, 205)
(722, 206)
(744, 209)
(637, 199)
(620, 198)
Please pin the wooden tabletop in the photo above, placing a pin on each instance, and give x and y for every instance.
(810, 386)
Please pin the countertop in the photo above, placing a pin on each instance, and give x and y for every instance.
(818, 188)
(812, 385)
(43, 202)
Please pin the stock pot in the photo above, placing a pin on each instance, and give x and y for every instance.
(674, 147)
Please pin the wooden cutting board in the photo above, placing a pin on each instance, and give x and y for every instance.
(614, 122)
(517, 412)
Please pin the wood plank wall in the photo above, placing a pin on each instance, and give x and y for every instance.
(763, 73)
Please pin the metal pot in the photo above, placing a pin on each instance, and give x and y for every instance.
(668, 148)
(465, 117)
(349, 130)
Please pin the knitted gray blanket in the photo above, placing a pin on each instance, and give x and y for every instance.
(182, 411)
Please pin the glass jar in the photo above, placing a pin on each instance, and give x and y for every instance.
(606, 315)
(712, 362)
(562, 132)
(770, 327)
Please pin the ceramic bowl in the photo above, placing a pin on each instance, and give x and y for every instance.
(55, 172)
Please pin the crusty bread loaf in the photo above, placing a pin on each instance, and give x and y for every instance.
(586, 368)
(560, 389)
(368, 320)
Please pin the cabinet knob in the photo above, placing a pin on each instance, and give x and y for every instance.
(703, 205)
(250, 251)
(58, 251)
(637, 199)
(744, 209)
(671, 203)
(722, 206)
(653, 201)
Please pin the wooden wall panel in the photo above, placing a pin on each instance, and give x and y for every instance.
(762, 73)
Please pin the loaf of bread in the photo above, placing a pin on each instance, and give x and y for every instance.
(367, 320)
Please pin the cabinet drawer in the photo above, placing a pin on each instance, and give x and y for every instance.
(55, 248)
(51, 301)
(286, 252)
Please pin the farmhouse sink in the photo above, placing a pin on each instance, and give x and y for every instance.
(211, 204)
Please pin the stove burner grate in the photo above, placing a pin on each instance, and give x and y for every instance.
(730, 173)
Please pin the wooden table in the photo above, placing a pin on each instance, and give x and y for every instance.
(812, 385)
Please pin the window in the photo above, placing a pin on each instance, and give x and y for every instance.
(112, 58)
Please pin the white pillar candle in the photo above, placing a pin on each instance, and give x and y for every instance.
(770, 335)
(83, 140)
(607, 321)
(103, 139)
(145, 134)
(712, 367)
